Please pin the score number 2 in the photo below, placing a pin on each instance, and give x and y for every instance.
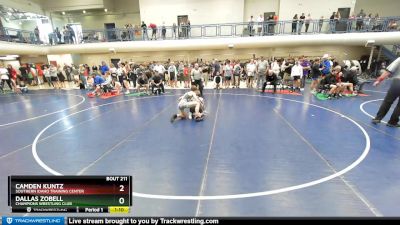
(121, 200)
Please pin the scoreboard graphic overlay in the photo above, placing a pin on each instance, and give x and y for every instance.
(88, 194)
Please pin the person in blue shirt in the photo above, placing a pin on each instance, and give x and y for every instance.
(97, 82)
(104, 68)
(326, 65)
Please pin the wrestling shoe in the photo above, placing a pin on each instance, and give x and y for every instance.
(173, 118)
(375, 121)
(393, 125)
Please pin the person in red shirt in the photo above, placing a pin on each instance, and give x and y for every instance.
(186, 71)
(153, 31)
(39, 74)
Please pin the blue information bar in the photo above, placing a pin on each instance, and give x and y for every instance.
(19, 220)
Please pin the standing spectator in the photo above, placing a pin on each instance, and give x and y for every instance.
(228, 72)
(58, 35)
(270, 25)
(163, 31)
(66, 35)
(33, 74)
(174, 30)
(237, 71)
(12, 73)
(145, 36)
(301, 22)
(262, 68)
(206, 71)
(37, 35)
(306, 70)
(332, 22)
(46, 72)
(308, 20)
(296, 74)
(367, 22)
(39, 74)
(54, 77)
(315, 74)
(260, 23)
(294, 24)
(153, 31)
(186, 72)
(250, 26)
(131, 32)
(276, 20)
(181, 68)
(360, 19)
(350, 22)
(188, 29)
(250, 70)
(173, 74)
(72, 37)
(104, 68)
(376, 23)
(60, 76)
(320, 23)
(326, 65)
(68, 71)
(182, 29)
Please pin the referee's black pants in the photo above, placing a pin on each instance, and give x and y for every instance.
(199, 84)
(392, 94)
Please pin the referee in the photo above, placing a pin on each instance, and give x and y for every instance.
(392, 94)
(197, 78)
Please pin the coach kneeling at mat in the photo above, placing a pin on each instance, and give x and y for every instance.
(143, 81)
(156, 82)
(272, 79)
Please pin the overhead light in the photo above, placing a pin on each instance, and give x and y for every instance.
(9, 13)
(7, 19)
(84, 11)
(63, 13)
(105, 10)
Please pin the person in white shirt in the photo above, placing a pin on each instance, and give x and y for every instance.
(159, 68)
(228, 73)
(172, 73)
(296, 74)
(275, 67)
(5, 78)
(251, 70)
(260, 21)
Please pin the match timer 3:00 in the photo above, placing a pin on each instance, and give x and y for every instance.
(90, 194)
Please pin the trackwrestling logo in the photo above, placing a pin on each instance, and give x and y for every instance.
(17, 220)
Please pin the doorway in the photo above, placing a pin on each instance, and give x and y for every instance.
(110, 31)
(269, 25)
(182, 22)
(115, 62)
(342, 24)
